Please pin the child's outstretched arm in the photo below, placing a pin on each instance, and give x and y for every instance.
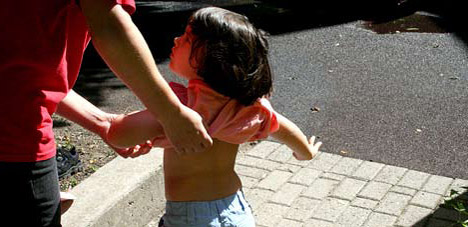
(127, 130)
(289, 134)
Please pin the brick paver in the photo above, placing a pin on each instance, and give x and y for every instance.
(305, 176)
(270, 214)
(390, 174)
(375, 190)
(348, 189)
(302, 209)
(437, 184)
(426, 199)
(287, 193)
(368, 170)
(330, 209)
(379, 219)
(414, 216)
(413, 179)
(353, 216)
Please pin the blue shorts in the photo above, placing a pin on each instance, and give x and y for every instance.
(232, 211)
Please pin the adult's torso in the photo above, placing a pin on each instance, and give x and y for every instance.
(41, 48)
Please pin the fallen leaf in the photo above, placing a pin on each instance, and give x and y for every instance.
(315, 109)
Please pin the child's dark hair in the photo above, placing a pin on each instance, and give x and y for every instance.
(231, 54)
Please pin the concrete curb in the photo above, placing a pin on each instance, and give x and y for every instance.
(124, 192)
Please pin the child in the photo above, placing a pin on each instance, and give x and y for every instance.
(225, 61)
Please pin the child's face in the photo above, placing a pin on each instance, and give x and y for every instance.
(180, 56)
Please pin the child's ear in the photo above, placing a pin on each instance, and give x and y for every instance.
(196, 57)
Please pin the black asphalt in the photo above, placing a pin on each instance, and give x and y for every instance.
(399, 99)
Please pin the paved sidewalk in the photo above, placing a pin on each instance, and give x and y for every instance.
(333, 190)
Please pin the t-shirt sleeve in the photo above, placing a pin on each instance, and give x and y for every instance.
(246, 123)
(180, 90)
(128, 5)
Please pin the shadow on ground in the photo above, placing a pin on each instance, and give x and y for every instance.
(451, 213)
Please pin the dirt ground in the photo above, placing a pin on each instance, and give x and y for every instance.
(93, 153)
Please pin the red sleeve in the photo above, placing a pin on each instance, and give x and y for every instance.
(128, 5)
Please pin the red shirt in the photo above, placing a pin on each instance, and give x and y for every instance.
(41, 49)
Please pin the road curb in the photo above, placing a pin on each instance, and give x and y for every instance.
(124, 192)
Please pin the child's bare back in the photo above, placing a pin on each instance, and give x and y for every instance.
(201, 176)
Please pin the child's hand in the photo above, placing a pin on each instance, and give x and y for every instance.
(311, 152)
(136, 151)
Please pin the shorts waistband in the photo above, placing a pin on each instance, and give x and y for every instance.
(190, 209)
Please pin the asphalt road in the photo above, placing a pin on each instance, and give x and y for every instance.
(398, 99)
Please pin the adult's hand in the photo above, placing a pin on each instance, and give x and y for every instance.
(187, 133)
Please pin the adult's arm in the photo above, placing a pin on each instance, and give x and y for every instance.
(77, 109)
(123, 48)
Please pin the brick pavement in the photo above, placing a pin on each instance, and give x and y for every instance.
(332, 190)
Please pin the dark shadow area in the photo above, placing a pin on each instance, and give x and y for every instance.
(92, 82)
(59, 123)
(451, 213)
(160, 29)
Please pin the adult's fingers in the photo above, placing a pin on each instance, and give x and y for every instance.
(143, 149)
(124, 153)
(206, 142)
(146, 147)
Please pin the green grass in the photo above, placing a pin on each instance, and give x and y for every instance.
(458, 202)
